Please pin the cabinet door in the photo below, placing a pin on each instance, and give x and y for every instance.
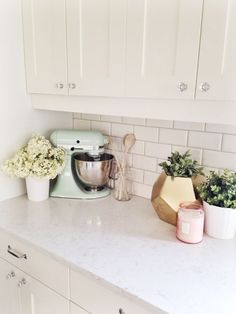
(74, 309)
(162, 47)
(217, 64)
(36, 298)
(9, 296)
(44, 26)
(96, 47)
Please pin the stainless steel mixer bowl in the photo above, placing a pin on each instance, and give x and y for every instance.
(93, 172)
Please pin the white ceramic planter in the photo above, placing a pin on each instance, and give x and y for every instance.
(220, 222)
(37, 189)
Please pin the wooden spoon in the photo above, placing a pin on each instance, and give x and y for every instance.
(128, 141)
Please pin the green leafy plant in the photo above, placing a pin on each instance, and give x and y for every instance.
(181, 165)
(219, 189)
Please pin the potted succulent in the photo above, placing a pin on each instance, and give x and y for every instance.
(175, 185)
(38, 162)
(218, 193)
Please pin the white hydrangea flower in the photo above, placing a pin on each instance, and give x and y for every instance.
(37, 158)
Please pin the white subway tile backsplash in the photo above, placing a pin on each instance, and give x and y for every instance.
(135, 121)
(195, 126)
(138, 148)
(81, 124)
(135, 175)
(205, 140)
(214, 148)
(159, 123)
(141, 190)
(77, 115)
(221, 128)
(157, 150)
(145, 163)
(111, 118)
(175, 137)
(88, 116)
(229, 143)
(146, 133)
(219, 159)
(118, 129)
(103, 127)
(150, 177)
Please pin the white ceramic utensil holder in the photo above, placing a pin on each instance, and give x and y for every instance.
(37, 189)
(220, 222)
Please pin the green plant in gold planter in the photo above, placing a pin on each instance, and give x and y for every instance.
(218, 193)
(175, 185)
(181, 165)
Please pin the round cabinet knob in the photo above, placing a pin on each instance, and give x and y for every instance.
(10, 275)
(59, 85)
(204, 87)
(72, 85)
(22, 282)
(121, 311)
(182, 86)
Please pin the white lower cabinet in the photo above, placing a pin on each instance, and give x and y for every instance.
(93, 296)
(22, 294)
(39, 299)
(34, 283)
(9, 296)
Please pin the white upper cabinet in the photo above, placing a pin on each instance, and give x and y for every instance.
(96, 47)
(217, 63)
(162, 48)
(44, 23)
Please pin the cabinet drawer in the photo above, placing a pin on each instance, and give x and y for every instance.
(33, 262)
(97, 299)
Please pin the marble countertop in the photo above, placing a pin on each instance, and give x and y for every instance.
(128, 247)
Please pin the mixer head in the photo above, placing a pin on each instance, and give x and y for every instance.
(91, 142)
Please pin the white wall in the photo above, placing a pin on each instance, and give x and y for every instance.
(17, 118)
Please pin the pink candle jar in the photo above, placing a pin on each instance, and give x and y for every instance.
(190, 224)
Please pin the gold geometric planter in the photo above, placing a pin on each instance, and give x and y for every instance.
(168, 192)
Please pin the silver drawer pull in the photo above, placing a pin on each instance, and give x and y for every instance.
(15, 253)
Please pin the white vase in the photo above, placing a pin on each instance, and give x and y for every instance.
(37, 189)
(220, 222)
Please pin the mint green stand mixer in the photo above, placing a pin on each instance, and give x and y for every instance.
(87, 168)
